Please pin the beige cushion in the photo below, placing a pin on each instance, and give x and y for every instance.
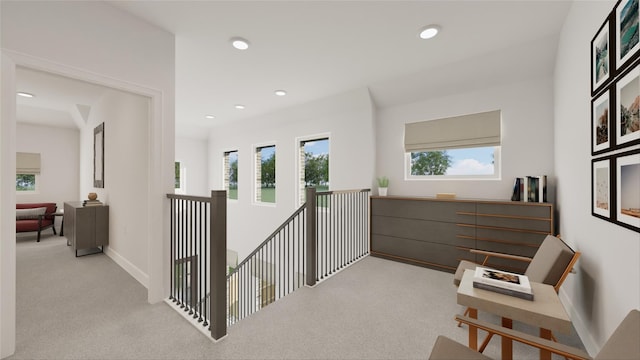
(447, 349)
(624, 343)
(30, 214)
(550, 261)
(462, 266)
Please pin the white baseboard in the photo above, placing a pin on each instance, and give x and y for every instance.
(133, 270)
(579, 324)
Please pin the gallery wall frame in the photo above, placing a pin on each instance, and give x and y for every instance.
(627, 38)
(627, 107)
(602, 56)
(615, 117)
(601, 174)
(98, 156)
(601, 122)
(627, 189)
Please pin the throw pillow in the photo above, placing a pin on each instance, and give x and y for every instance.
(29, 214)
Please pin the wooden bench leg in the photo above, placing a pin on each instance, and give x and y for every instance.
(507, 344)
(545, 334)
(473, 331)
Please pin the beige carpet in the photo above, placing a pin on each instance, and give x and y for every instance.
(89, 308)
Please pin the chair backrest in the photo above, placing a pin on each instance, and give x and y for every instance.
(624, 343)
(552, 262)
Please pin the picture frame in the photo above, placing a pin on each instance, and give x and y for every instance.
(98, 156)
(627, 15)
(601, 123)
(627, 192)
(627, 114)
(601, 188)
(601, 57)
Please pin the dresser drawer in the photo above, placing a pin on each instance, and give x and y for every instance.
(445, 211)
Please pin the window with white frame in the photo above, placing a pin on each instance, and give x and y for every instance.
(27, 172)
(265, 174)
(180, 178)
(313, 165)
(231, 174)
(26, 182)
(462, 147)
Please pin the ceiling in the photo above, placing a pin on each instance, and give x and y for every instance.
(315, 49)
(57, 100)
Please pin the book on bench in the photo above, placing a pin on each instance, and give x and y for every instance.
(502, 282)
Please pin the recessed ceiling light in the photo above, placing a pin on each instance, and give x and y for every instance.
(240, 107)
(24, 94)
(209, 116)
(280, 92)
(239, 43)
(429, 31)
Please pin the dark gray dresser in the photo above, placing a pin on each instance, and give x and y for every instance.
(86, 227)
(438, 233)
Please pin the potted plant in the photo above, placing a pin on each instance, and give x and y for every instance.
(383, 184)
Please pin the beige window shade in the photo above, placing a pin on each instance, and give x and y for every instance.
(27, 163)
(475, 130)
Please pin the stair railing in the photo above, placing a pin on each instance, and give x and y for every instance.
(273, 270)
(198, 258)
(326, 234)
(342, 229)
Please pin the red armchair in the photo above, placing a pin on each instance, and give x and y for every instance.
(35, 217)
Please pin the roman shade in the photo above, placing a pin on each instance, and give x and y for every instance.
(27, 163)
(474, 130)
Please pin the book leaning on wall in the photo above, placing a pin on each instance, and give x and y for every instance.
(530, 189)
(503, 282)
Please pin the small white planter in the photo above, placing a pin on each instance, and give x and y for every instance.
(382, 191)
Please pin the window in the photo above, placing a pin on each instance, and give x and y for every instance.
(27, 172)
(180, 179)
(25, 182)
(266, 174)
(177, 178)
(314, 165)
(462, 147)
(478, 162)
(231, 174)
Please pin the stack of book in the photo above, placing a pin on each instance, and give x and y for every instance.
(503, 282)
(92, 203)
(530, 189)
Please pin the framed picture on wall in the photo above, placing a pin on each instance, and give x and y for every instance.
(600, 122)
(628, 108)
(601, 188)
(600, 58)
(627, 36)
(628, 189)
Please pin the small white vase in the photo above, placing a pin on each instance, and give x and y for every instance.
(382, 191)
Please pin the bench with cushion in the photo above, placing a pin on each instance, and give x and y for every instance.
(35, 217)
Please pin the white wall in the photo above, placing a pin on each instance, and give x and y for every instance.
(607, 284)
(527, 138)
(126, 149)
(96, 42)
(7, 210)
(193, 157)
(59, 176)
(348, 120)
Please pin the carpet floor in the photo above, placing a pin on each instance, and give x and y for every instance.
(90, 308)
